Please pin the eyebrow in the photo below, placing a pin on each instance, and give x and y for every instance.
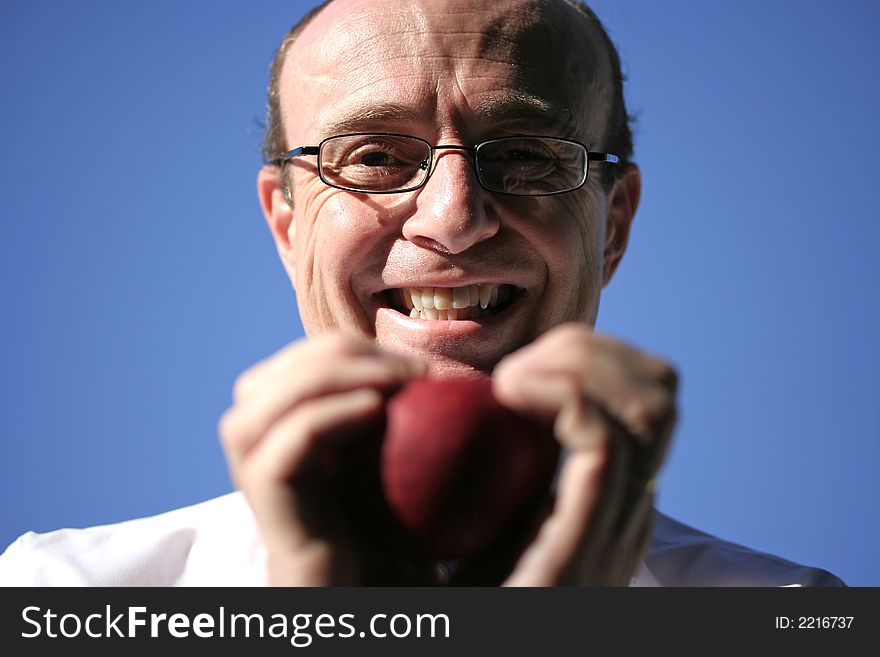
(519, 107)
(363, 117)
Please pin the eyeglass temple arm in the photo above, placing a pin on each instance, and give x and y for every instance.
(602, 157)
(296, 152)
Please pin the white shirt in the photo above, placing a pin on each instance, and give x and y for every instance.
(216, 543)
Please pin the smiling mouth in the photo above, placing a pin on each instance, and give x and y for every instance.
(451, 303)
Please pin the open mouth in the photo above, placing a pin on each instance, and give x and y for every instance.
(451, 303)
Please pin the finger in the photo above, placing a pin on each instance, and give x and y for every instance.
(636, 403)
(592, 368)
(545, 560)
(552, 396)
(616, 541)
(586, 565)
(280, 449)
(576, 544)
(567, 340)
(245, 424)
(293, 356)
(308, 356)
(269, 473)
(643, 363)
(635, 533)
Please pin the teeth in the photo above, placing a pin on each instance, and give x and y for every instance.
(485, 295)
(461, 297)
(442, 298)
(428, 298)
(445, 303)
(474, 294)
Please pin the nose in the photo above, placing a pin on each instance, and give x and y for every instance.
(451, 213)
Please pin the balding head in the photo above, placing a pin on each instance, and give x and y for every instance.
(509, 31)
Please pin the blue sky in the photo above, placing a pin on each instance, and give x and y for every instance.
(138, 278)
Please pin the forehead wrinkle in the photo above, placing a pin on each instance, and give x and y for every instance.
(515, 103)
(442, 42)
(573, 69)
(366, 115)
(523, 107)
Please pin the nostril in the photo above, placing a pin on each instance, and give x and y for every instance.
(432, 244)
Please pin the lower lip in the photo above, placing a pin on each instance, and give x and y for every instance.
(456, 327)
(452, 344)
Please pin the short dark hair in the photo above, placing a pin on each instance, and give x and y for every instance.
(617, 136)
(274, 141)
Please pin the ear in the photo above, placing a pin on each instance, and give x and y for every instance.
(623, 200)
(279, 215)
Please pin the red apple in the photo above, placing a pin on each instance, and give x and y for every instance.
(459, 471)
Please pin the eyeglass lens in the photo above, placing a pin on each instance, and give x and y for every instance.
(375, 163)
(531, 165)
(513, 165)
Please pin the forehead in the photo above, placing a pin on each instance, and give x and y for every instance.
(459, 62)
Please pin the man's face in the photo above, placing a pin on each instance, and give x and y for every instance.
(450, 72)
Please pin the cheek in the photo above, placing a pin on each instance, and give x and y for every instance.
(332, 237)
(573, 253)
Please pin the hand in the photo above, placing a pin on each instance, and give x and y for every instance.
(614, 409)
(290, 412)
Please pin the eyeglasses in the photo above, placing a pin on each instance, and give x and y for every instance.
(382, 163)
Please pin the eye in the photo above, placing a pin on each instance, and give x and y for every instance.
(518, 150)
(374, 154)
(375, 159)
(383, 152)
(524, 155)
(521, 158)
(374, 162)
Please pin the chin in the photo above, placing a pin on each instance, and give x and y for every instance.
(452, 359)
(453, 369)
